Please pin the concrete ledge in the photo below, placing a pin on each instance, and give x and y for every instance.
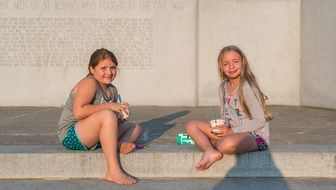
(53, 161)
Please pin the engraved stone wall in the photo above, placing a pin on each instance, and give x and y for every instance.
(55, 42)
(34, 38)
(166, 49)
(46, 45)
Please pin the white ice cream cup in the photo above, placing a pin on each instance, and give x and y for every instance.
(215, 122)
(125, 114)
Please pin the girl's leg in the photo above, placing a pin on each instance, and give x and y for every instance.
(102, 126)
(200, 133)
(236, 143)
(128, 135)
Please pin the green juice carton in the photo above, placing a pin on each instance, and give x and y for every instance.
(184, 139)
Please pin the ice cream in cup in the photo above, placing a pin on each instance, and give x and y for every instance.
(216, 122)
(125, 114)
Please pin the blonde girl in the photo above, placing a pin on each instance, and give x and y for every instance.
(243, 108)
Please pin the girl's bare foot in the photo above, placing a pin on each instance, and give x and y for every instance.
(121, 179)
(208, 158)
(126, 147)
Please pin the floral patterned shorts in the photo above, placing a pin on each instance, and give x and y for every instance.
(262, 144)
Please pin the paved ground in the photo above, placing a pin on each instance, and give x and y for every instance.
(291, 125)
(177, 184)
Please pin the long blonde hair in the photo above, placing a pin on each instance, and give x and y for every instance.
(246, 74)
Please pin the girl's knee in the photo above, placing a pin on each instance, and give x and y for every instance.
(226, 147)
(107, 116)
(190, 126)
(137, 128)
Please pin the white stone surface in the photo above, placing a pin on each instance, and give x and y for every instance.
(53, 161)
(268, 32)
(318, 54)
(167, 49)
(45, 49)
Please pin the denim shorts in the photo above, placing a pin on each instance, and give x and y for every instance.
(262, 144)
(72, 141)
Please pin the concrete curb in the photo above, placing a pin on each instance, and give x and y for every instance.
(53, 161)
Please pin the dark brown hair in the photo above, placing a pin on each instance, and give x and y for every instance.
(100, 55)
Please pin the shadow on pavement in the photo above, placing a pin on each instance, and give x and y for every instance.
(245, 165)
(154, 128)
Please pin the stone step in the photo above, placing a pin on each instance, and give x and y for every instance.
(236, 183)
(160, 161)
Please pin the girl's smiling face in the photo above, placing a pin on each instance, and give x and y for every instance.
(105, 72)
(231, 64)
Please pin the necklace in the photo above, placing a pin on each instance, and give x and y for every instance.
(106, 98)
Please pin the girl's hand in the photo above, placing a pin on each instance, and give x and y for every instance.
(119, 107)
(221, 130)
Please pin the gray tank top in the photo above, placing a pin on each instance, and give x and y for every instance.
(67, 118)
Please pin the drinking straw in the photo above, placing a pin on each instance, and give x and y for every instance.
(119, 98)
(214, 115)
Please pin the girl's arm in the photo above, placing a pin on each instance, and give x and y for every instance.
(84, 92)
(258, 118)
